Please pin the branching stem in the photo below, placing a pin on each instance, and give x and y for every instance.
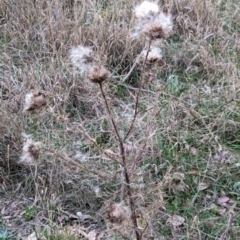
(138, 94)
(124, 164)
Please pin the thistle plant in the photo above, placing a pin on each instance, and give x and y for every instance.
(131, 137)
(155, 25)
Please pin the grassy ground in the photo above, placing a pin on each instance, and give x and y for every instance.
(186, 137)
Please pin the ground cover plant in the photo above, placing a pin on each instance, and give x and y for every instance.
(119, 119)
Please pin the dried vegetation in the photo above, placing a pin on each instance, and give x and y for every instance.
(149, 152)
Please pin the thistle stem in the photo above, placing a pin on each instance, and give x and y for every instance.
(138, 94)
(124, 164)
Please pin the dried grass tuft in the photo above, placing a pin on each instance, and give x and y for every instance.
(186, 110)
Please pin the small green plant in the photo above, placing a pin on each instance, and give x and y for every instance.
(5, 234)
(30, 213)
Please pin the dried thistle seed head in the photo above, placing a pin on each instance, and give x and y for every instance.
(34, 100)
(153, 56)
(166, 22)
(118, 212)
(81, 55)
(146, 8)
(30, 151)
(160, 27)
(98, 74)
(155, 26)
(154, 31)
(82, 58)
(177, 183)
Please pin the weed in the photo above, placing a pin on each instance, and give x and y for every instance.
(4, 233)
(152, 116)
(30, 213)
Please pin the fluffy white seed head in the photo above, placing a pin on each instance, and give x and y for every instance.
(30, 150)
(146, 8)
(159, 27)
(81, 58)
(34, 100)
(28, 101)
(153, 56)
(154, 23)
(89, 64)
(118, 212)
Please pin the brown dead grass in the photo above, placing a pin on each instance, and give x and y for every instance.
(200, 109)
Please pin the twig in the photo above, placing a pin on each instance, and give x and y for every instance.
(67, 159)
(138, 93)
(109, 114)
(97, 146)
(130, 87)
(130, 71)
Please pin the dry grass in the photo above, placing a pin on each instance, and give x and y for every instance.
(182, 152)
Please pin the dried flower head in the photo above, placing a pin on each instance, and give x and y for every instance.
(146, 8)
(152, 21)
(30, 150)
(153, 56)
(82, 58)
(98, 74)
(177, 183)
(34, 100)
(159, 27)
(118, 212)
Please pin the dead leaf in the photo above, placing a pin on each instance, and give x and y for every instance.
(221, 211)
(82, 217)
(75, 230)
(193, 151)
(92, 235)
(176, 220)
(61, 218)
(32, 236)
(223, 199)
(202, 186)
(180, 187)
